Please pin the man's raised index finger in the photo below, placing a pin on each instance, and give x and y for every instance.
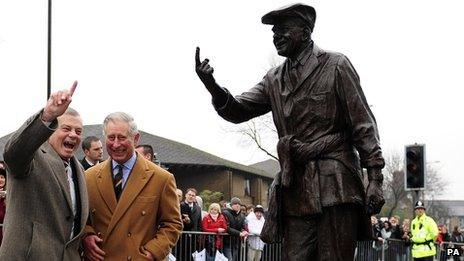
(73, 88)
(197, 56)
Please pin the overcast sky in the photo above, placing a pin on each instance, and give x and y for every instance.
(138, 56)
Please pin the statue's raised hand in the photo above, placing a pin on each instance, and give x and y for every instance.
(204, 71)
(58, 103)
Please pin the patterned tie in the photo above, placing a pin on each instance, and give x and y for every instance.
(72, 191)
(117, 182)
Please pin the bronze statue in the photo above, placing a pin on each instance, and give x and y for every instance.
(327, 134)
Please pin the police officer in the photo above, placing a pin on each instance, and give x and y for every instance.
(424, 232)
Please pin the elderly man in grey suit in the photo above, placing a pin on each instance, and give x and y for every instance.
(47, 200)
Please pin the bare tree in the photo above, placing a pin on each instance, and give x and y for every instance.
(398, 200)
(393, 185)
(435, 187)
(260, 132)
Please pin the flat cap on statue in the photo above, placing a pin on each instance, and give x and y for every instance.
(304, 12)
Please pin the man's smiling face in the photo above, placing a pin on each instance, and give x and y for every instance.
(66, 139)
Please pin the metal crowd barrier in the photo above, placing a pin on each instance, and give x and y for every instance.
(397, 250)
(191, 241)
(389, 250)
(451, 247)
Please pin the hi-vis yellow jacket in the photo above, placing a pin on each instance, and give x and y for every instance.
(424, 232)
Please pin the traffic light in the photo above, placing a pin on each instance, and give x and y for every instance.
(415, 167)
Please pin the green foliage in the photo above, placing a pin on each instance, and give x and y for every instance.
(209, 197)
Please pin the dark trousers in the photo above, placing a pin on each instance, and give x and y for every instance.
(330, 236)
(231, 248)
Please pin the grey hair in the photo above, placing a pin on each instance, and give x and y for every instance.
(69, 111)
(72, 112)
(121, 116)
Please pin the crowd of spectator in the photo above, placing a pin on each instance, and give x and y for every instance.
(393, 234)
(384, 228)
(232, 222)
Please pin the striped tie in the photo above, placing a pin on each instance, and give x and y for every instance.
(72, 191)
(117, 182)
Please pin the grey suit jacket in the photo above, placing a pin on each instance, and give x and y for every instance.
(39, 214)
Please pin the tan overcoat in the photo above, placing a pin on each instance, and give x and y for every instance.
(146, 216)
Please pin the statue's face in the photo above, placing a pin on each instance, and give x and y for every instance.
(289, 38)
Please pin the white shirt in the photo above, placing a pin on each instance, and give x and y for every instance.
(126, 168)
(255, 226)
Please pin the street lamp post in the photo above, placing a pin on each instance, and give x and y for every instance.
(49, 49)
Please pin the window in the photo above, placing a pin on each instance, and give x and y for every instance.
(247, 187)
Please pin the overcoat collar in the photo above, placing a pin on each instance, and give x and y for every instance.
(308, 67)
(58, 170)
(139, 177)
(59, 173)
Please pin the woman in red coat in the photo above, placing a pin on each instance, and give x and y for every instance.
(214, 222)
(2, 199)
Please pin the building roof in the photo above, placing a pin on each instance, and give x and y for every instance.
(270, 166)
(169, 152)
(456, 207)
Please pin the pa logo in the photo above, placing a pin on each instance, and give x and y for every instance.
(451, 251)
